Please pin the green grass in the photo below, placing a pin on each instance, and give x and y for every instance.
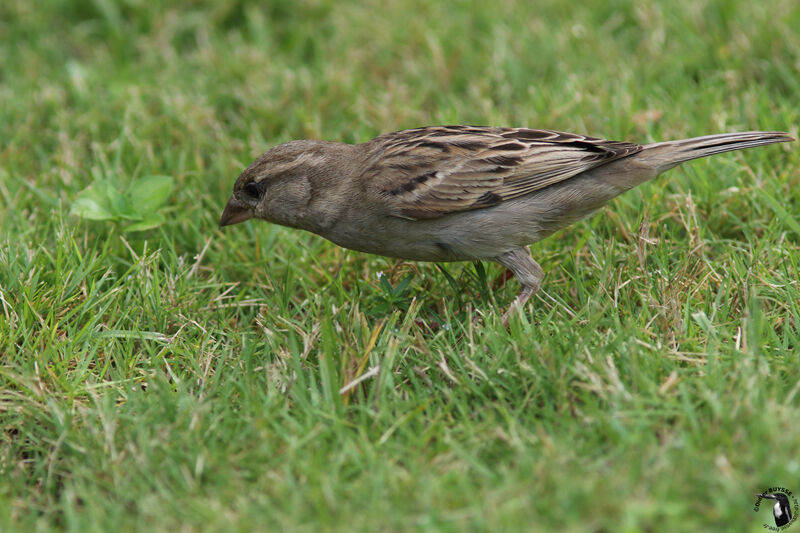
(188, 379)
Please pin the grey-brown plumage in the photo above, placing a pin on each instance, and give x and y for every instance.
(455, 193)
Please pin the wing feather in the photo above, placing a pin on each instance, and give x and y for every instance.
(430, 172)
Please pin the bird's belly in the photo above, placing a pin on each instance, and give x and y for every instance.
(457, 237)
(409, 245)
(477, 234)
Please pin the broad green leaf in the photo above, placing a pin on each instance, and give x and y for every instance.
(148, 220)
(149, 193)
(117, 203)
(89, 208)
(93, 203)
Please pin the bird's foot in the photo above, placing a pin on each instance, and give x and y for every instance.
(518, 304)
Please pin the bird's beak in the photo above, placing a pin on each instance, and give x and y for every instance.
(234, 213)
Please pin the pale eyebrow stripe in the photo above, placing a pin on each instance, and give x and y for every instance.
(310, 159)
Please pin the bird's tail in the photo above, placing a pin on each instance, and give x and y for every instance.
(666, 155)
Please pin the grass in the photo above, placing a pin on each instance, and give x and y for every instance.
(191, 379)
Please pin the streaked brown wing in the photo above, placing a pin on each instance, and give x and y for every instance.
(430, 172)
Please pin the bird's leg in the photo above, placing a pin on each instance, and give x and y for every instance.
(528, 273)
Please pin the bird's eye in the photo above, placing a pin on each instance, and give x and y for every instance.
(252, 190)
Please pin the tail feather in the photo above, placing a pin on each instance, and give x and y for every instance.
(666, 155)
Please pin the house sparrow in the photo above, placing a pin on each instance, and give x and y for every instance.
(456, 193)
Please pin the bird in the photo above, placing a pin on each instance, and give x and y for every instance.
(782, 511)
(457, 193)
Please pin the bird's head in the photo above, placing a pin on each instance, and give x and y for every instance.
(277, 186)
(778, 496)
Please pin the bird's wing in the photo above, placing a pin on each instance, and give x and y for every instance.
(430, 172)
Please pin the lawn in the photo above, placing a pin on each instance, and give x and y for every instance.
(256, 378)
